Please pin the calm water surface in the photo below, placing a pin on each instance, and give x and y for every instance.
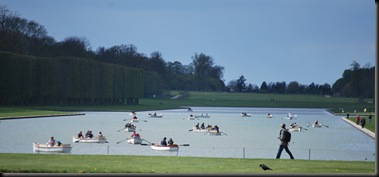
(243, 137)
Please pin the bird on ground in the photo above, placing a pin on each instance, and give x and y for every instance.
(264, 167)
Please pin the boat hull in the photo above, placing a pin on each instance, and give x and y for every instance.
(89, 140)
(63, 148)
(173, 147)
(200, 129)
(316, 125)
(133, 140)
(129, 129)
(295, 129)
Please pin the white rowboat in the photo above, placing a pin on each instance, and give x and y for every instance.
(89, 140)
(46, 148)
(200, 129)
(134, 140)
(156, 116)
(173, 147)
(129, 129)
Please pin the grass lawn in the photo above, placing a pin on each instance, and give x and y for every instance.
(69, 163)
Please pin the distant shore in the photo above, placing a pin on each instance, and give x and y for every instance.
(41, 116)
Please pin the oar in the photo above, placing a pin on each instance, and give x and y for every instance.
(206, 132)
(190, 130)
(183, 144)
(120, 130)
(224, 133)
(121, 141)
(325, 125)
(147, 141)
(303, 128)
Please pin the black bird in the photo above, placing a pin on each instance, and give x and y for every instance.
(264, 167)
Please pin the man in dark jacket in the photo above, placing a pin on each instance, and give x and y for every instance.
(283, 143)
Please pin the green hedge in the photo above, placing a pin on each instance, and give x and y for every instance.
(28, 80)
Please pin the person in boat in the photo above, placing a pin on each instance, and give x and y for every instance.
(244, 113)
(316, 123)
(135, 135)
(100, 135)
(163, 142)
(189, 109)
(268, 115)
(289, 115)
(80, 134)
(59, 143)
(202, 126)
(155, 114)
(134, 117)
(89, 134)
(293, 125)
(51, 142)
(197, 126)
(170, 142)
(216, 128)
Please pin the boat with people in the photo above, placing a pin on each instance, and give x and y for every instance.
(191, 117)
(202, 115)
(244, 114)
(89, 140)
(295, 129)
(130, 129)
(155, 115)
(133, 113)
(316, 125)
(172, 147)
(195, 129)
(269, 115)
(134, 140)
(63, 148)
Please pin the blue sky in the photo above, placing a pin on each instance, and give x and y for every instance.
(263, 40)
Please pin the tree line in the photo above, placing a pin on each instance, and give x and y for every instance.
(26, 37)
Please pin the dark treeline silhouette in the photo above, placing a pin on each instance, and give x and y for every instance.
(29, 45)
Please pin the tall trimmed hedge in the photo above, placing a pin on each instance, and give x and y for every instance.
(29, 80)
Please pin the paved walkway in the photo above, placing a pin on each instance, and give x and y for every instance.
(359, 127)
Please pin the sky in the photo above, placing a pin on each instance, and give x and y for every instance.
(308, 41)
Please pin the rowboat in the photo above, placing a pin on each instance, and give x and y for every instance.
(37, 147)
(202, 116)
(191, 118)
(89, 140)
(316, 125)
(156, 115)
(245, 115)
(173, 147)
(269, 116)
(134, 140)
(134, 120)
(199, 129)
(295, 129)
(129, 129)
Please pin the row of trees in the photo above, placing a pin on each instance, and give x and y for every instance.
(21, 36)
(29, 80)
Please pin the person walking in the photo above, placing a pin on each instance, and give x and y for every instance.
(357, 119)
(363, 122)
(283, 142)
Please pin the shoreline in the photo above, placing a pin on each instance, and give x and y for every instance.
(359, 127)
(41, 116)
